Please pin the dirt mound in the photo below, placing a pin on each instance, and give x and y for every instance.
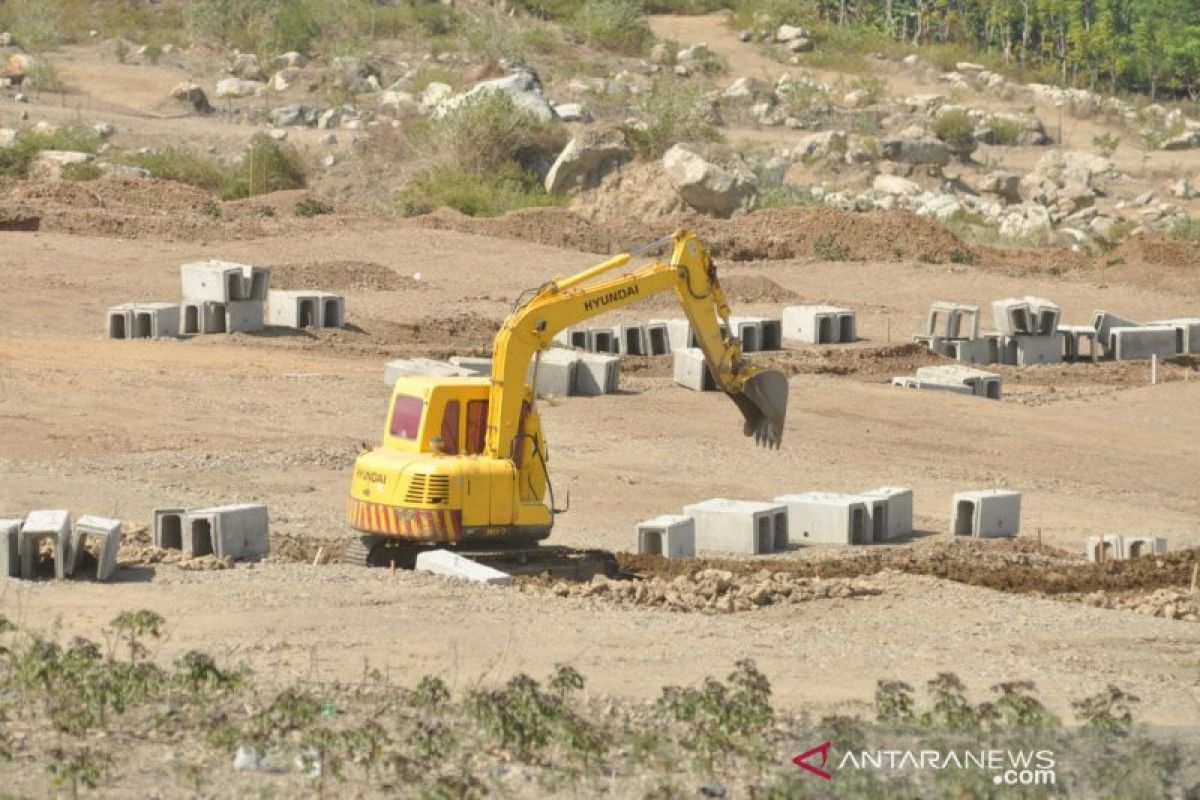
(1152, 261)
(755, 289)
(709, 591)
(108, 193)
(340, 276)
(1020, 566)
(466, 334)
(550, 226)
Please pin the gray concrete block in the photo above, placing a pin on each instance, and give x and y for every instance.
(913, 382)
(143, 321)
(235, 531)
(1110, 547)
(555, 372)
(669, 536)
(986, 513)
(1074, 337)
(107, 533)
(1105, 321)
(630, 339)
(984, 350)
(294, 309)
(658, 339)
(1138, 546)
(243, 316)
(982, 384)
(899, 511)
(199, 534)
(1187, 334)
(937, 344)
(1013, 316)
(10, 548)
(691, 370)
(949, 320)
(1044, 315)
(419, 367)
(54, 525)
(224, 281)
(201, 316)
(596, 374)
(749, 331)
(739, 526)
(333, 310)
(476, 365)
(453, 565)
(1032, 350)
(828, 518)
(168, 527)
(601, 340)
(119, 322)
(679, 333)
(813, 324)
(1130, 344)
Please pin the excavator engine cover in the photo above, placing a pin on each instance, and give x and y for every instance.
(763, 402)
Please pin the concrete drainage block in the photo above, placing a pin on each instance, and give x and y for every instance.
(986, 513)
(819, 324)
(739, 526)
(1138, 546)
(555, 372)
(1128, 344)
(54, 525)
(669, 536)
(305, 309)
(452, 565)
(107, 533)
(143, 321)
(224, 281)
(475, 365)
(201, 316)
(1110, 547)
(168, 527)
(981, 383)
(690, 370)
(899, 511)
(597, 374)
(828, 518)
(233, 531)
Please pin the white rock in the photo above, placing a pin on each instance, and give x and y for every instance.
(895, 185)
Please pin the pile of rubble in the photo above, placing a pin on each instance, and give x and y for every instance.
(709, 591)
(1166, 603)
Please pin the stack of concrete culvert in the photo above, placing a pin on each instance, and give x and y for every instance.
(225, 297)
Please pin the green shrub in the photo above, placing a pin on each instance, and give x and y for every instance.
(312, 207)
(785, 196)
(617, 25)
(673, 112)
(177, 163)
(1106, 144)
(267, 166)
(83, 171)
(483, 135)
(1187, 230)
(954, 128)
(16, 159)
(828, 247)
(1006, 131)
(473, 192)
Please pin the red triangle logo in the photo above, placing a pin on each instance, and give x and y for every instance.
(802, 760)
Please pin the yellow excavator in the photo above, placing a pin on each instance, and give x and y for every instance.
(464, 460)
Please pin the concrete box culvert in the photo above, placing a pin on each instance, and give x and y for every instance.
(735, 526)
(669, 536)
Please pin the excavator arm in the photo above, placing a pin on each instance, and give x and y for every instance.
(761, 395)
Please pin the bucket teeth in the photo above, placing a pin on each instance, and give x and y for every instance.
(763, 403)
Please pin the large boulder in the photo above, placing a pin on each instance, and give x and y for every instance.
(294, 115)
(711, 178)
(1004, 185)
(921, 151)
(895, 185)
(50, 163)
(820, 145)
(238, 87)
(1026, 221)
(1184, 141)
(245, 65)
(523, 86)
(192, 97)
(586, 159)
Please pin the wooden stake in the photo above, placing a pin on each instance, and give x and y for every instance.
(317, 557)
(1195, 567)
(392, 568)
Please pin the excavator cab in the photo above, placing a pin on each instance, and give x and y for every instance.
(430, 482)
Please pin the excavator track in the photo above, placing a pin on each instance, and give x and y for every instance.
(370, 550)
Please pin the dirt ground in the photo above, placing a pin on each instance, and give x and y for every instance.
(120, 428)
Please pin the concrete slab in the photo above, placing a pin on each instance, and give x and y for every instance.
(107, 533)
(813, 324)
(986, 513)
(1138, 546)
(1044, 315)
(224, 281)
(1105, 321)
(244, 316)
(1187, 334)
(829, 518)
(555, 374)
(691, 370)
(168, 527)
(54, 525)
(476, 365)
(913, 382)
(983, 350)
(669, 536)
(739, 526)
(453, 565)
(10, 548)
(899, 512)
(981, 383)
(597, 374)
(1110, 547)
(1132, 344)
(410, 367)
(236, 531)
(201, 316)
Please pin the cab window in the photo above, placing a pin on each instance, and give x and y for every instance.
(406, 416)
(450, 428)
(476, 426)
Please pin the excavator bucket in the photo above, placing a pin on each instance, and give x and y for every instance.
(763, 402)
